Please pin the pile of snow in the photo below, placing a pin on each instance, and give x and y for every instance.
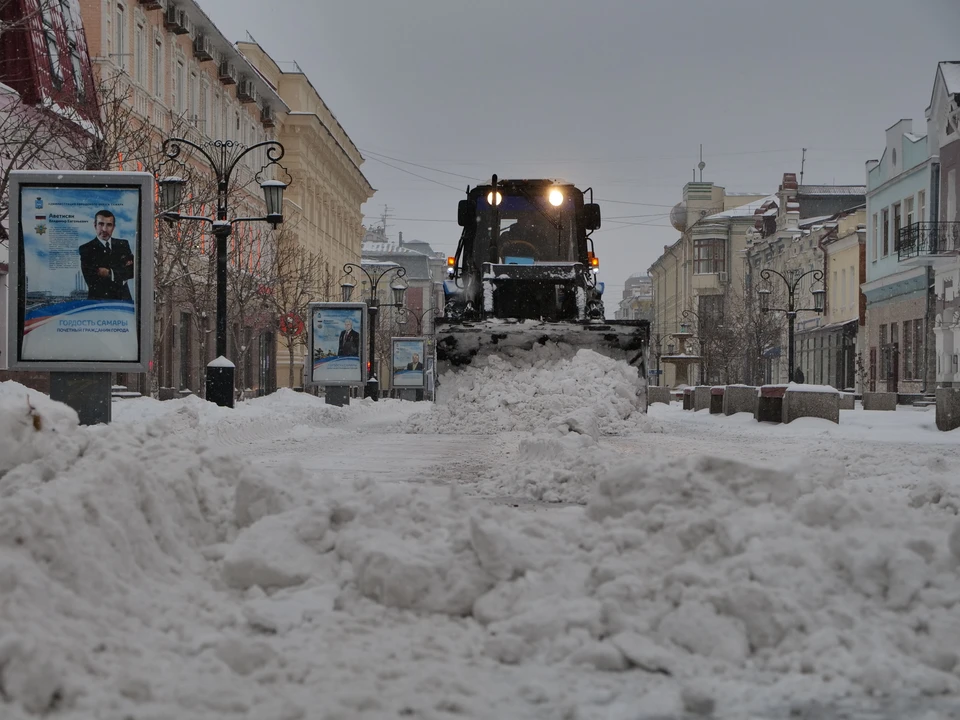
(526, 389)
(142, 574)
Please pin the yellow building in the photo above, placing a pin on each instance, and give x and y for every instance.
(696, 280)
(328, 186)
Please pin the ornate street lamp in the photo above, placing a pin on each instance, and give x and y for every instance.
(222, 156)
(791, 310)
(398, 288)
(404, 313)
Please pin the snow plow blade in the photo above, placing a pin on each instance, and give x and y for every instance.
(459, 343)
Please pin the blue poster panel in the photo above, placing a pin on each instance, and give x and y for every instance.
(337, 343)
(408, 362)
(83, 267)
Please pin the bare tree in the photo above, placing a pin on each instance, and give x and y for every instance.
(754, 332)
(297, 278)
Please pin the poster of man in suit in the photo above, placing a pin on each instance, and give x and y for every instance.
(408, 354)
(80, 270)
(106, 261)
(336, 343)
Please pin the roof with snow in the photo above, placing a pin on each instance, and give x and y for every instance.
(951, 75)
(832, 190)
(744, 210)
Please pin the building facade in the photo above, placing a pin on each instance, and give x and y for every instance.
(901, 201)
(328, 189)
(636, 302)
(696, 281)
(940, 240)
(425, 271)
(787, 239)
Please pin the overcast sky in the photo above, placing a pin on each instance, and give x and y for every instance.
(613, 94)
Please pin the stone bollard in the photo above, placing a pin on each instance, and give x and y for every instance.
(701, 397)
(688, 398)
(879, 401)
(805, 401)
(848, 401)
(658, 394)
(769, 407)
(739, 398)
(716, 400)
(948, 409)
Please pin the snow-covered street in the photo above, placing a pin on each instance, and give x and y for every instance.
(532, 546)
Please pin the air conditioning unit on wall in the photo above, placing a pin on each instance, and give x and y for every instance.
(228, 73)
(203, 48)
(246, 91)
(723, 277)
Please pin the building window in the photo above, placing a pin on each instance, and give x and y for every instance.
(908, 211)
(886, 231)
(908, 350)
(179, 89)
(53, 53)
(140, 54)
(120, 37)
(896, 226)
(158, 68)
(952, 195)
(843, 287)
(922, 206)
(876, 236)
(918, 345)
(709, 256)
(192, 97)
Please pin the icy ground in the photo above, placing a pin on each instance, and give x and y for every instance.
(288, 559)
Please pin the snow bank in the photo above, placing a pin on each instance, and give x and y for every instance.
(143, 574)
(527, 389)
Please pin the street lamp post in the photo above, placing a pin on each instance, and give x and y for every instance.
(222, 157)
(372, 388)
(791, 310)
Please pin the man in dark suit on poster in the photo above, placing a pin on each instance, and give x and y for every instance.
(349, 341)
(415, 364)
(106, 262)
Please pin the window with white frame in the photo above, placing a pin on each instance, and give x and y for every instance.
(140, 53)
(922, 206)
(908, 214)
(179, 86)
(53, 51)
(158, 67)
(885, 230)
(120, 37)
(205, 106)
(876, 236)
(192, 90)
(952, 195)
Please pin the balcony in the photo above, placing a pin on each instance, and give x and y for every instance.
(928, 239)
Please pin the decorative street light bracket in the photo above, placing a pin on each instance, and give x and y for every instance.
(374, 275)
(791, 310)
(222, 157)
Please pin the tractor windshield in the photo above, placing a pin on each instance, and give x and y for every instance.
(526, 229)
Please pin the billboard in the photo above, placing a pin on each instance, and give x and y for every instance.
(337, 343)
(409, 361)
(81, 271)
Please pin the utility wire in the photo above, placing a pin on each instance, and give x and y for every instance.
(425, 167)
(435, 182)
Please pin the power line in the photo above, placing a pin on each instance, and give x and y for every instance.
(425, 167)
(435, 182)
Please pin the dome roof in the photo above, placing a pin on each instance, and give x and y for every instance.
(678, 216)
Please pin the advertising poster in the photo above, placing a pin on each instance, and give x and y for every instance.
(337, 343)
(408, 362)
(79, 269)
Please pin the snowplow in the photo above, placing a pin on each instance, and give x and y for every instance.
(525, 273)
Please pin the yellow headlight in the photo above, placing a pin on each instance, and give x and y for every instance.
(490, 200)
(556, 197)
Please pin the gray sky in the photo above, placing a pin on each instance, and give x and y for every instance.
(613, 94)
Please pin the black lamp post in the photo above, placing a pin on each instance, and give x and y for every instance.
(374, 276)
(791, 310)
(222, 156)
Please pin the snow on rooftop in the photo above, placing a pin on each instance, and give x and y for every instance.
(832, 190)
(743, 210)
(951, 76)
